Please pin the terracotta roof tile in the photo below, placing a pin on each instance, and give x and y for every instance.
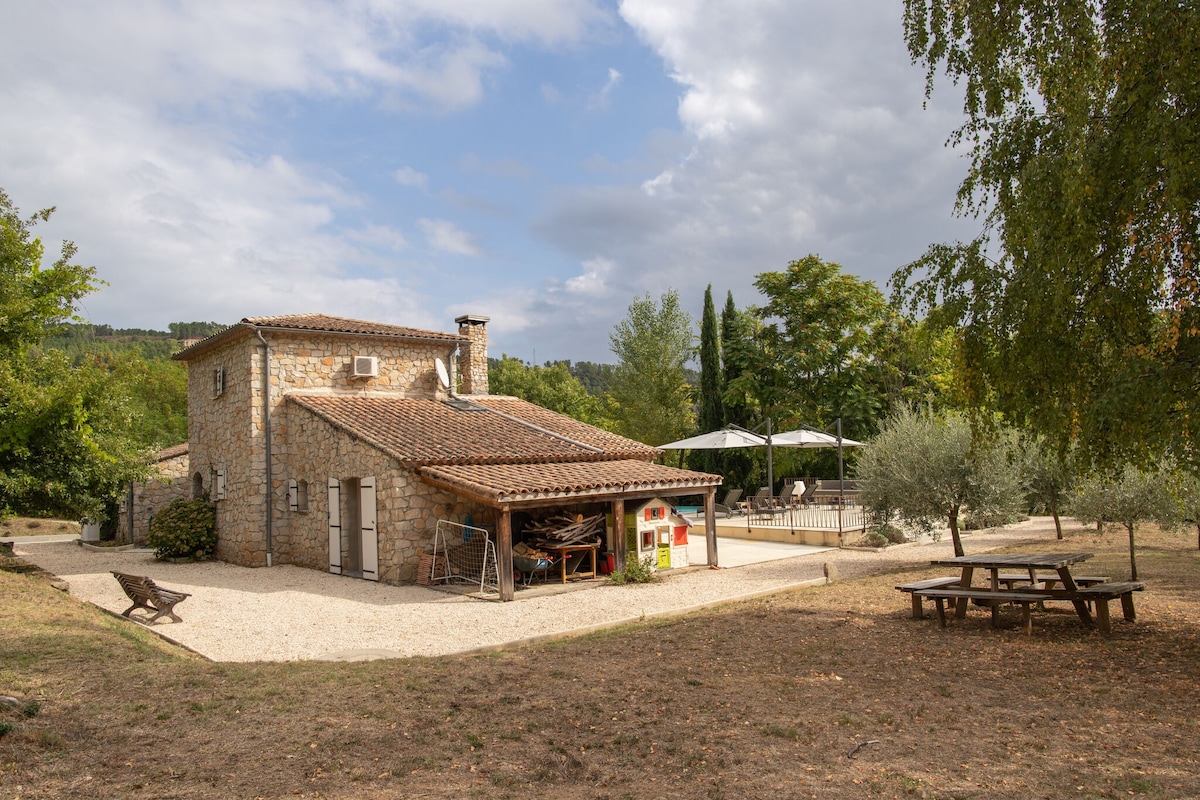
(502, 483)
(424, 432)
(317, 323)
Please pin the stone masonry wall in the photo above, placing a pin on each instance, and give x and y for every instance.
(407, 509)
(225, 434)
(171, 482)
(228, 432)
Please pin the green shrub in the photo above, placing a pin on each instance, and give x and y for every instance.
(184, 529)
(635, 571)
(893, 534)
(875, 539)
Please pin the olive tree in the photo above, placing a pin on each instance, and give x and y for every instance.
(929, 468)
(1048, 475)
(1129, 496)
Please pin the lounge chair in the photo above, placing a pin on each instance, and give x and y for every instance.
(729, 505)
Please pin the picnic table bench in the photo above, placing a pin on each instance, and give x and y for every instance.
(985, 597)
(1101, 593)
(148, 595)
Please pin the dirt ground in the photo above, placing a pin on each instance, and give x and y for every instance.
(826, 692)
(28, 526)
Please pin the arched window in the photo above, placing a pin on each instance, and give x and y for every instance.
(197, 486)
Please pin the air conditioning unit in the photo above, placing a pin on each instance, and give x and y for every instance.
(366, 366)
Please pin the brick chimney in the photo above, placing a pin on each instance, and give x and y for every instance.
(473, 358)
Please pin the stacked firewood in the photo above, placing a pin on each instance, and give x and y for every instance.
(566, 529)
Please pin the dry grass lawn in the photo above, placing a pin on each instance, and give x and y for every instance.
(28, 526)
(763, 699)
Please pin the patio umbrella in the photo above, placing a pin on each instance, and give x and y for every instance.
(806, 438)
(723, 439)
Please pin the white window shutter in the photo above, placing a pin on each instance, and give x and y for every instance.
(335, 526)
(220, 485)
(370, 535)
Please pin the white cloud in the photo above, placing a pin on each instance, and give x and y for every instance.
(601, 98)
(444, 236)
(132, 118)
(407, 176)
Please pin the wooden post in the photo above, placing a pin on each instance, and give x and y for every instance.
(504, 562)
(710, 524)
(618, 512)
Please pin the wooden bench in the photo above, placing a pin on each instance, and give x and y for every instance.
(984, 597)
(1014, 579)
(1101, 593)
(918, 610)
(148, 595)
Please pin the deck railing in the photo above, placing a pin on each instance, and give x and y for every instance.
(845, 517)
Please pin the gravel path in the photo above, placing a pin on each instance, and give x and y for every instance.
(288, 613)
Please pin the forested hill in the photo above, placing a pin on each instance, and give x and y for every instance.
(78, 340)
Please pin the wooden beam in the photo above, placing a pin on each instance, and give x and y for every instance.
(618, 512)
(504, 561)
(710, 524)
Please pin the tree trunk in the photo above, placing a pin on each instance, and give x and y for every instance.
(1132, 558)
(958, 548)
(1057, 521)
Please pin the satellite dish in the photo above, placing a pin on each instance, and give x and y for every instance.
(443, 376)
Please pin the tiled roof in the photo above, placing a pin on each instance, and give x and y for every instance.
(171, 452)
(484, 430)
(317, 323)
(508, 483)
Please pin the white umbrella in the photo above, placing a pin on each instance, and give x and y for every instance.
(723, 439)
(807, 438)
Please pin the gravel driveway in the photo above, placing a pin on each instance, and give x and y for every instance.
(288, 613)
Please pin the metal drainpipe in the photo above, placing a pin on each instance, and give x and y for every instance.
(267, 430)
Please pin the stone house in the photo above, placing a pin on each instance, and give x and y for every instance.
(170, 482)
(338, 444)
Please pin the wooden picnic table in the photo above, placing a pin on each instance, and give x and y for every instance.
(1030, 562)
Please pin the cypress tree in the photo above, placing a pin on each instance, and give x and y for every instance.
(712, 379)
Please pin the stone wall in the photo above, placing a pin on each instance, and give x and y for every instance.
(473, 361)
(171, 482)
(227, 435)
(407, 509)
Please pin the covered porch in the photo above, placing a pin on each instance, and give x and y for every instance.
(513, 489)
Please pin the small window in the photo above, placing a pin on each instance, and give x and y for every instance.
(218, 381)
(219, 492)
(298, 495)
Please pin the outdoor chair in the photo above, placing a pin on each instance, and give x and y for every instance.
(729, 504)
(762, 504)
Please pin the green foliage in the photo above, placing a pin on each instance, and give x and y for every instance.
(1129, 496)
(552, 386)
(65, 432)
(927, 468)
(650, 388)
(1079, 303)
(635, 571)
(712, 379)
(33, 297)
(1048, 474)
(1185, 492)
(818, 329)
(184, 529)
(65, 443)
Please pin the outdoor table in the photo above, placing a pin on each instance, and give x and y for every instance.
(563, 551)
(1032, 562)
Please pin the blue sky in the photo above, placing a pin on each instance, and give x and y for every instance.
(539, 162)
